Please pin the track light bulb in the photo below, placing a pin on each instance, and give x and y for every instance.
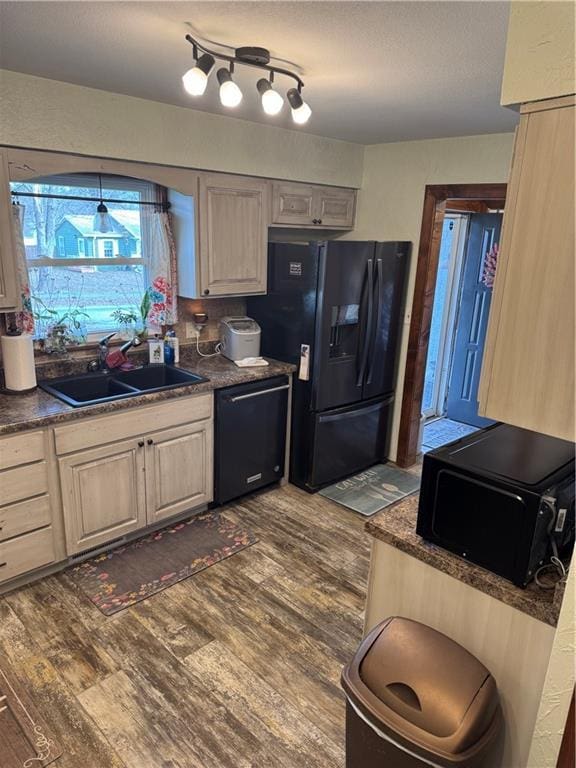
(272, 102)
(230, 94)
(196, 79)
(300, 110)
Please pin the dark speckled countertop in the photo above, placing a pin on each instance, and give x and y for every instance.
(396, 525)
(39, 409)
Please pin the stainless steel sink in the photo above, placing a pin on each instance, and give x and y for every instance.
(102, 387)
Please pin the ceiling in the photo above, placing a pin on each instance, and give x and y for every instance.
(374, 71)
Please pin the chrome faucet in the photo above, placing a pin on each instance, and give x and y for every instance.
(103, 351)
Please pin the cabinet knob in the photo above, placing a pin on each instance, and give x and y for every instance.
(206, 292)
(319, 221)
(314, 221)
(140, 443)
(150, 441)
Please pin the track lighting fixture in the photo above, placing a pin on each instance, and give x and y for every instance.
(300, 110)
(230, 94)
(196, 79)
(272, 102)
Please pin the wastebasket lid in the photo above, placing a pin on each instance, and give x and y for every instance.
(423, 685)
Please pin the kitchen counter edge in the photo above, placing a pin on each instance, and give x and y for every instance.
(38, 409)
(396, 526)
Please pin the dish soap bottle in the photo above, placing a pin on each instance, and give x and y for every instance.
(168, 349)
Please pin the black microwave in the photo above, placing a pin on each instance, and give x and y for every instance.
(502, 498)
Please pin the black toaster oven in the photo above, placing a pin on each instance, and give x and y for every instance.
(502, 498)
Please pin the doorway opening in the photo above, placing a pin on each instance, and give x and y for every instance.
(456, 260)
(468, 254)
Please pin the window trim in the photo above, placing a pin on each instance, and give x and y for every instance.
(81, 242)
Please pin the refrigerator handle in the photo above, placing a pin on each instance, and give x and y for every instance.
(368, 326)
(377, 318)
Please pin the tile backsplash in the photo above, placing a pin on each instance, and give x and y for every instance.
(214, 308)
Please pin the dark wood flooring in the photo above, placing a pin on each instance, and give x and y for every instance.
(236, 667)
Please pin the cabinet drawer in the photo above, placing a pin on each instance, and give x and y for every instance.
(24, 517)
(23, 482)
(21, 449)
(26, 553)
(131, 423)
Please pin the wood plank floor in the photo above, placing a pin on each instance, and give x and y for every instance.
(236, 667)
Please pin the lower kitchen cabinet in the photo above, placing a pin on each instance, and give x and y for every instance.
(139, 477)
(103, 494)
(178, 470)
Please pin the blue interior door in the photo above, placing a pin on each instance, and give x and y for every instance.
(472, 321)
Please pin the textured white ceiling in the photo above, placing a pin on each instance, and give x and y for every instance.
(374, 71)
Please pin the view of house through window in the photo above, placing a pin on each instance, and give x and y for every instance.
(91, 280)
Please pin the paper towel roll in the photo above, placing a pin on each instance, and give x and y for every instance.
(18, 362)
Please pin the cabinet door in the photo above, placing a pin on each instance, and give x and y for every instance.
(293, 204)
(178, 470)
(334, 208)
(233, 235)
(103, 494)
(9, 288)
(528, 370)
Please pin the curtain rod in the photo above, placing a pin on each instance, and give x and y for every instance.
(164, 206)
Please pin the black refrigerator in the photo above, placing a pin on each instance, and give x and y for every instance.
(335, 310)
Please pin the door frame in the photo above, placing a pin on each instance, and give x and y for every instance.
(438, 198)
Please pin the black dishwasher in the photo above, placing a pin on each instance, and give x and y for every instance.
(250, 439)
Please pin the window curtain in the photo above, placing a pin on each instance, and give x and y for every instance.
(25, 319)
(162, 271)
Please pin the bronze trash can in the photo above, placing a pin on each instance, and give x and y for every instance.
(416, 698)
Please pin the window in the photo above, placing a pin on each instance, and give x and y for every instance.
(108, 249)
(65, 249)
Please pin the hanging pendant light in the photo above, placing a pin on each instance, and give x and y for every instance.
(102, 219)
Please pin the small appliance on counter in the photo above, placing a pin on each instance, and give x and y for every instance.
(502, 498)
(239, 338)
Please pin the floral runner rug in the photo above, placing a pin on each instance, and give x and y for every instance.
(117, 579)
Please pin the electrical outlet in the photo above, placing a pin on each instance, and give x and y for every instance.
(191, 331)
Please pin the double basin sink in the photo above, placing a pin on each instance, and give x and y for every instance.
(103, 386)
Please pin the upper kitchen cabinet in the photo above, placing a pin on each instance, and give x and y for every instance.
(528, 370)
(9, 291)
(308, 205)
(233, 237)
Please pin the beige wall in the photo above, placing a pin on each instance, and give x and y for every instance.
(392, 195)
(47, 114)
(558, 686)
(540, 62)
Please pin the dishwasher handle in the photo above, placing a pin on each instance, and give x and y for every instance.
(258, 393)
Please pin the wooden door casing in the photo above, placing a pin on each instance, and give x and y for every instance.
(178, 470)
